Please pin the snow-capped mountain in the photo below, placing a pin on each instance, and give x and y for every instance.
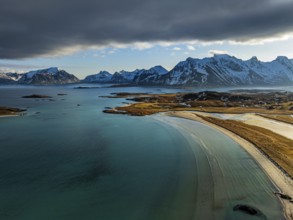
(158, 69)
(125, 76)
(4, 79)
(150, 76)
(278, 71)
(226, 70)
(48, 76)
(138, 76)
(9, 78)
(14, 76)
(101, 77)
(51, 71)
(220, 70)
(216, 71)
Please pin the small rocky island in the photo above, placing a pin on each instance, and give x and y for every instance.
(7, 111)
(36, 96)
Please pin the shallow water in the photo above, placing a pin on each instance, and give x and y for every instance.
(65, 159)
(227, 175)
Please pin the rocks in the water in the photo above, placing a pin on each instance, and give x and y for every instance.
(87, 87)
(284, 196)
(36, 96)
(249, 210)
(245, 208)
(61, 94)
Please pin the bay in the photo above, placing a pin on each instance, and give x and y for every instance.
(66, 159)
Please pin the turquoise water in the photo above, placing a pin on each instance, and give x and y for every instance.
(65, 159)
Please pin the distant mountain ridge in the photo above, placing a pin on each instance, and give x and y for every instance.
(226, 70)
(138, 76)
(39, 77)
(218, 71)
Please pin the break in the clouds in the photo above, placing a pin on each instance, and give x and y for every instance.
(38, 27)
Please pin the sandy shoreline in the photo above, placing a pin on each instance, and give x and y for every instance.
(282, 182)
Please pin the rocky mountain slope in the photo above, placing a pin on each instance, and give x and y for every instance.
(225, 70)
(39, 77)
(139, 76)
(9, 78)
(219, 70)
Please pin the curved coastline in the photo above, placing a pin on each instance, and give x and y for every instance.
(277, 177)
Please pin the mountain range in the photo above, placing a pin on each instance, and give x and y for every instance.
(39, 77)
(216, 71)
(139, 76)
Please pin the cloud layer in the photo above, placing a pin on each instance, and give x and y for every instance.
(38, 27)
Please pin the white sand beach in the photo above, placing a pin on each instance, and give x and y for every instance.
(284, 129)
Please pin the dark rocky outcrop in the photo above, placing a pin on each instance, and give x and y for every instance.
(36, 96)
(249, 210)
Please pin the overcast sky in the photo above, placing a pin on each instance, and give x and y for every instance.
(86, 36)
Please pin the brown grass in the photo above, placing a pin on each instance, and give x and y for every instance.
(213, 102)
(278, 148)
(148, 108)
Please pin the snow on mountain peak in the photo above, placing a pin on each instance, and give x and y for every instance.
(219, 70)
(254, 58)
(102, 76)
(281, 58)
(159, 69)
(284, 60)
(190, 60)
(222, 56)
(104, 72)
(51, 70)
(253, 62)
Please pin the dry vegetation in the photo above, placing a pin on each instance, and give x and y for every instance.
(215, 102)
(278, 148)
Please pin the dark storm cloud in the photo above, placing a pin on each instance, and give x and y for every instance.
(35, 27)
